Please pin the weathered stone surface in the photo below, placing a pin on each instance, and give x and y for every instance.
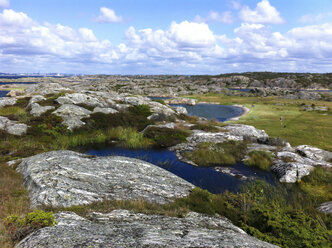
(72, 115)
(181, 110)
(65, 178)
(15, 93)
(326, 207)
(314, 153)
(46, 88)
(12, 127)
(37, 110)
(105, 110)
(7, 101)
(35, 99)
(247, 132)
(291, 167)
(122, 228)
(80, 98)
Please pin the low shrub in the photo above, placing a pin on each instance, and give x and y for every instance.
(166, 137)
(129, 137)
(210, 154)
(19, 227)
(259, 159)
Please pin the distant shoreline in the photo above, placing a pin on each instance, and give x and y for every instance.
(245, 111)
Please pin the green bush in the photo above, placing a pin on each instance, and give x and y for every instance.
(20, 227)
(166, 137)
(135, 117)
(259, 159)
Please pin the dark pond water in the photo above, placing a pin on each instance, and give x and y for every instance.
(242, 90)
(2, 83)
(204, 177)
(212, 111)
(3, 93)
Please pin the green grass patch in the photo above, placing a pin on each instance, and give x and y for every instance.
(318, 183)
(259, 159)
(210, 154)
(15, 113)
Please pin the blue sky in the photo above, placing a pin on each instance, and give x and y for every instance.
(165, 37)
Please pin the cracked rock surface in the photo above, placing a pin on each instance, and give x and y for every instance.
(66, 178)
(122, 228)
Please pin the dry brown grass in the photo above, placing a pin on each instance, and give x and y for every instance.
(13, 199)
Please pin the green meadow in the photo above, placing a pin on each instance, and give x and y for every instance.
(297, 126)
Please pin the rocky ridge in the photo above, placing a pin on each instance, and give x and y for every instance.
(122, 228)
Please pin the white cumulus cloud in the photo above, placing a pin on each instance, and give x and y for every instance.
(264, 13)
(108, 16)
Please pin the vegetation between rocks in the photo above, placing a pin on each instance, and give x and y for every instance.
(19, 227)
(259, 159)
(210, 154)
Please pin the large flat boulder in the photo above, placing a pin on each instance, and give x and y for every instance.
(72, 115)
(37, 110)
(248, 132)
(290, 166)
(12, 127)
(7, 101)
(66, 178)
(122, 228)
(314, 153)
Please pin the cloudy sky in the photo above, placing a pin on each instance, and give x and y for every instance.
(165, 37)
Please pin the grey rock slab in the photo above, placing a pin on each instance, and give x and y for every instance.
(12, 127)
(326, 207)
(247, 131)
(80, 98)
(290, 166)
(72, 115)
(45, 89)
(181, 110)
(122, 228)
(37, 110)
(35, 99)
(7, 101)
(66, 178)
(105, 110)
(314, 153)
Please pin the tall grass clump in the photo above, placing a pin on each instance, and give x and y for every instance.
(211, 154)
(14, 113)
(129, 137)
(259, 159)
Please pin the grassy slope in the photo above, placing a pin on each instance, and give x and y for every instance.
(302, 127)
